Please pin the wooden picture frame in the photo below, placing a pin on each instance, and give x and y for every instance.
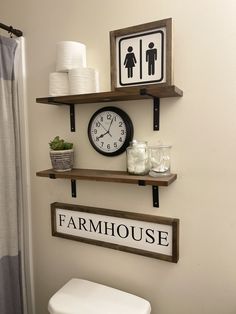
(147, 235)
(141, 55)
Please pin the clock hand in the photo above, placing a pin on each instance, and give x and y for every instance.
(108, 131)
(100, 136)
(102, 126)
(110, 126)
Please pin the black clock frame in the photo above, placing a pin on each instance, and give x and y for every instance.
(128, 125)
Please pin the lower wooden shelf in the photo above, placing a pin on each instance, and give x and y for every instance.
(110, 176)
(107, 176)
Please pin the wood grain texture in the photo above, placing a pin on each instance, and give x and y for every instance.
(108, 176)
(120, 94)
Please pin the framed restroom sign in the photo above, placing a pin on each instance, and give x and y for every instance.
(141, 55)
(151, 236)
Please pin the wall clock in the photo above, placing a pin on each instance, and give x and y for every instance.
(110, 130)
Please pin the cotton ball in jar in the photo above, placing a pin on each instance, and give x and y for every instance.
(137, 158)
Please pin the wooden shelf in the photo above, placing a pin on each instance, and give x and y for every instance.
(154, 91)
(110, 176)
(107, 176)
(128, 93)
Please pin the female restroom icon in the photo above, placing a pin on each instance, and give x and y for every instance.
(130, 61)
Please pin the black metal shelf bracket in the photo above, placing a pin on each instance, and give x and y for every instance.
(155, 192)
(73, 184)
(155, 196)
(141, 182)
(156, 114)
(72, 112)
(156, 109)
(72, 117)
(73, 188)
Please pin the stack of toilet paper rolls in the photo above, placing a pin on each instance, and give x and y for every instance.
(72, 75)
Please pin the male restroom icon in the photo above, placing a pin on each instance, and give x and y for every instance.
(151, 57)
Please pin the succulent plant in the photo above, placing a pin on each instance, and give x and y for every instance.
(60, 144)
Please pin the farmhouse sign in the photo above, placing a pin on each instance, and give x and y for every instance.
(147, 235)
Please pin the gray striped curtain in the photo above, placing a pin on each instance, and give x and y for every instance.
(10, 183)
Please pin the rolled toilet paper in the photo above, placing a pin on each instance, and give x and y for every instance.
(70, 55)
(83, 81)
(58, 84)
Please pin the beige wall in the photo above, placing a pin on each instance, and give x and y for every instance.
(200, 125)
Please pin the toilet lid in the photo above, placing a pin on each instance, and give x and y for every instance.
(80, 296)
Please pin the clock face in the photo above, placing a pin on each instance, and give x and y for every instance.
(110, 130)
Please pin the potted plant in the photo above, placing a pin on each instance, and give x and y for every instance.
(61, 154)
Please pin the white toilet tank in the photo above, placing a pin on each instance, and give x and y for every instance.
(80, 296)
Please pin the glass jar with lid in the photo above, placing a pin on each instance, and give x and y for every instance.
(159, 160)
(138, 158)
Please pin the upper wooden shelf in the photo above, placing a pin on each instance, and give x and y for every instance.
(128, 93)
(107, 176)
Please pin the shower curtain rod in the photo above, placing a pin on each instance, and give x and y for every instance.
(11, 30)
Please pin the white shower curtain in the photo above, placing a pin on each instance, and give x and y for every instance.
(15, 291)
